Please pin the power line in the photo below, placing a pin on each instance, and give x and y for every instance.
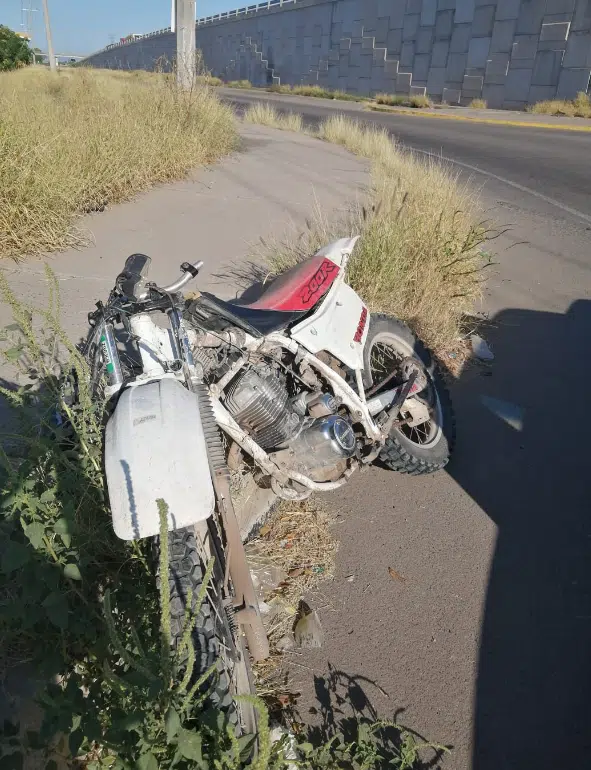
(27, 17)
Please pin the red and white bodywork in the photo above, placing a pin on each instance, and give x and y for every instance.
(339, 325)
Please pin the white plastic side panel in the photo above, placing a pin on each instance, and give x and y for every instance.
(155, 448)
(339, 326)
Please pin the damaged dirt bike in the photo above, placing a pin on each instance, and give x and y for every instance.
(301, 387)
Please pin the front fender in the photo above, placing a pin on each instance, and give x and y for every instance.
(155, 448)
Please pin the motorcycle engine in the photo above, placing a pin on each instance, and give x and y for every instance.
(258, 401)
(305, 431)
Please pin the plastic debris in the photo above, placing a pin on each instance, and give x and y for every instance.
(308, 632)
(266, 577)
(481, 349)
(287, 741)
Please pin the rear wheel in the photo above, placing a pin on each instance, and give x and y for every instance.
(216, 638)
(412, 447)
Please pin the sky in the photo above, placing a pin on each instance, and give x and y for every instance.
(84, 26)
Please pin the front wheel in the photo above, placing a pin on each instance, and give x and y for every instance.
(414, 448)
(216, 637)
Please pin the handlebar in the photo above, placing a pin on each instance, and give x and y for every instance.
(190, 271)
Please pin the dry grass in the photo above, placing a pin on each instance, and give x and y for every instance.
(239, 84)
(478, 104)
(264, 114)
(394, 100)
(577, 108)
(420, 257)
(296, 539)
(209, 80)
(76, 141)
(315, 91)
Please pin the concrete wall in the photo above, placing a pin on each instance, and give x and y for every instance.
(509, 52)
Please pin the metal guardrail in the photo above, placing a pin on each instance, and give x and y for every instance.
(246, 11)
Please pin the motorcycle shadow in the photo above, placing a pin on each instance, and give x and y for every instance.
(523, 455)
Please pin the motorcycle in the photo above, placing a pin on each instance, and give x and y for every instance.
(299, 387)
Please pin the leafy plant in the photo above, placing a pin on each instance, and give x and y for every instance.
(14, 50)
(374, 745)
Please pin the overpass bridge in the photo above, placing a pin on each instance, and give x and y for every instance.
(68, 56)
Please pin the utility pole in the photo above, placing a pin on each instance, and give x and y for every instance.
(185, 43)
(52, 64)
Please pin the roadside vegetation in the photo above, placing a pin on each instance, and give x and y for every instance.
(421, 254)
(577, 108)
(239, 84)
(77, 141)
(265, 114)
(394, 100)
(209, 80)
(478, 104)
(316, 91)
(327, 93)
(83, 610)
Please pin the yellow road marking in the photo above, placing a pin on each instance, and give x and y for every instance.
(419, 113)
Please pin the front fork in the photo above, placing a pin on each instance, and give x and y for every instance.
(245, 602)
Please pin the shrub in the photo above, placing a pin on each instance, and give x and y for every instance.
(396, 100)
(577, 108)
(239, 84)
(315, 91)
(478, 104)
(266, 115)
(209, 80)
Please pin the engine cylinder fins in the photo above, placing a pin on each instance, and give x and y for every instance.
(257, 400)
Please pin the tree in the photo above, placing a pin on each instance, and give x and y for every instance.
(14, 50)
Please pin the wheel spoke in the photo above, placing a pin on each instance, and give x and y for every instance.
(384, 360)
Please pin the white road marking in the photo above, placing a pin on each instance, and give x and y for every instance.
(520, 187)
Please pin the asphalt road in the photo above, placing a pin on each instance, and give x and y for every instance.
(485, 644)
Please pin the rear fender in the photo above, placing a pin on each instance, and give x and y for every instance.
(155, 448)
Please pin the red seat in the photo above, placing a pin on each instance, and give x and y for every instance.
(299, 288)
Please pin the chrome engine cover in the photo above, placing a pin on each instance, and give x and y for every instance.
(322, 450)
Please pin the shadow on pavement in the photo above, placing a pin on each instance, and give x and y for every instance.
(523, 456)
(344, 703)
